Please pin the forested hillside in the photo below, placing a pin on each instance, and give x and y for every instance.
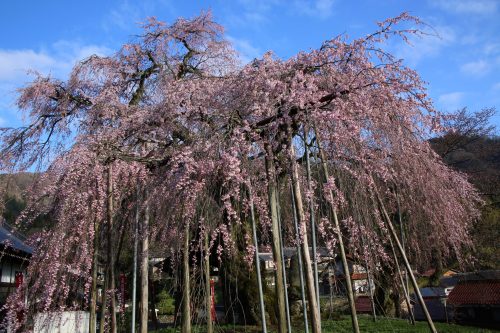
(13, 189)
(474, 148)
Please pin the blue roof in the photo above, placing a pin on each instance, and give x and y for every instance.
(9, 239)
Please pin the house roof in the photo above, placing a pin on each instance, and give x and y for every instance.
(476, 292)
(290, 251)
(359, 276)
(10, 239)
(429, 272)
(431, 292)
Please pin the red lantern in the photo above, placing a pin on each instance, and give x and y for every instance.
(19, 279)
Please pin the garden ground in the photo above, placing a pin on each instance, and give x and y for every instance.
(344, 326)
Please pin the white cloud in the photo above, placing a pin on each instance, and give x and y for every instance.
(318, 8)
(480, 7)
(257, 12)
(57, 61)
(428, 45)
(128, 14)
(451, 101)
(491, 48)
(496, 86)
(247, 51)
(15, 63)
(123, 16)
(476, 68)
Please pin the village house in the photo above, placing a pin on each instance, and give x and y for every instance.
(476, 299)
(14, 259)
(330, 271)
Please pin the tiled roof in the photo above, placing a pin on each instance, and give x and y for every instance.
(359, 276)
(476, 292)
(429, 273)
(10, 239)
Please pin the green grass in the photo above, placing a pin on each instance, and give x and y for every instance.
(394, 325)
(344, 326)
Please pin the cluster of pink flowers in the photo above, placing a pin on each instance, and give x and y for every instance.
(176, 116)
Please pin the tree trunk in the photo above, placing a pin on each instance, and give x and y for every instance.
(111, 256)
(93, 291)
(186, 293)
(277, 255)
(144, 267)
(208, 288)
(311, 292)
(350, 294)
(414, 283)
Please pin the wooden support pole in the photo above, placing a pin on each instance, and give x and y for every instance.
(400, 276)
(93, 289)
(301, 268)
(406, 286)
(414, 283)
(347, 274)
(275, 243)
(208, 288)
(312, 218)
(287, 305)
(134, 267)
(186, 290)
(257, 262)
(144, 269)
(111, 256)
(309, 276)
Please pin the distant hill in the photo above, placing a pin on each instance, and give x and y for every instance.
(479, 158)
(13, 189)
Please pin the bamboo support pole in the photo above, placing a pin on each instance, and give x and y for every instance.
(414, 283)
(257, 262)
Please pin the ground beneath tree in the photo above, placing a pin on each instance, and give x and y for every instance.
(344, 326)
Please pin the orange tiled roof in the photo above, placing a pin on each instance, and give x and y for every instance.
(483, 292)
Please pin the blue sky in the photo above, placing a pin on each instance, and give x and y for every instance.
(461, 67)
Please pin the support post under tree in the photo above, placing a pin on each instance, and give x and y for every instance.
(144, 268)
(312, 218)
(275, 244)
(93, 289)
(406, 286)
(134, 273)
(414, 283)
(287, 304)
(301, 267)
(257, 261)
(104, 297)
(111, 256)
(311, 290)
(208, 289)
(347, 273)
(403, 288)
(186, 290)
